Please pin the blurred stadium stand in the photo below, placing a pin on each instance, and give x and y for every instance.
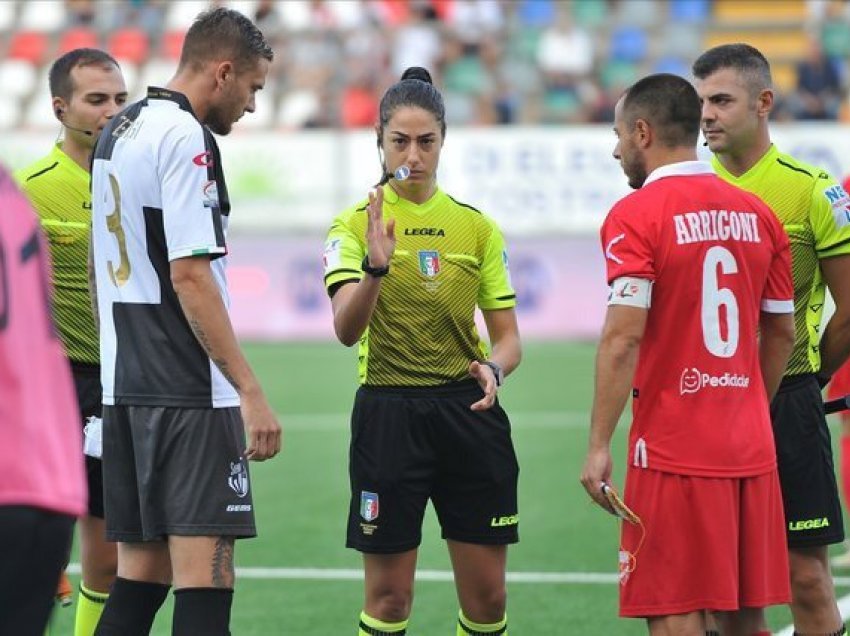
(497, 61)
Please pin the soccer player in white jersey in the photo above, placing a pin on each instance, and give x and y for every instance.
(698, 331)
(179, 396)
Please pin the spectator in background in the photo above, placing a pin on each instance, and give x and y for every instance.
(818, 90)
(359, 102)
(565, 57)
(417, 42)
(80, 13)
(87, 90)
(43, 486)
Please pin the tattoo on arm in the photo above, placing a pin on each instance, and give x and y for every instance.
(205, 343)
(222, 563)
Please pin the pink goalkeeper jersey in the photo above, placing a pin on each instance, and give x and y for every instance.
(40, 439)
(717, 256)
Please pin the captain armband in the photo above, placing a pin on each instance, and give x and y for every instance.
(631, 291)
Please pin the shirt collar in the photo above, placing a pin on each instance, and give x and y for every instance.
(155, 92)
(679, 169)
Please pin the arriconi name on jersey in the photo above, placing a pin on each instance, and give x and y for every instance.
(694, 380)
(716, 225)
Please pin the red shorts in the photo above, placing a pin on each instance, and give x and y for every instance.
(839, 385)
(709, 543)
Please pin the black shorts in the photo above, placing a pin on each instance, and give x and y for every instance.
(412, 444)
(175, 471)
(35, 545)
(806, 471)
(90, 397)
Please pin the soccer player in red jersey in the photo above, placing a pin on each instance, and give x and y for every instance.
(698, 330)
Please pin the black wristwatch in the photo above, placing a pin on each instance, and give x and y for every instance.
(497, 371)
(377, 272)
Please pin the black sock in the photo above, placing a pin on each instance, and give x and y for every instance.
(841, 632)
(131, 608)
(202, 610)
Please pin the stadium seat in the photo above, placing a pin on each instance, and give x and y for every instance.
(9, 112)
(17, 77)
(157, 72)
(79, 38)
(7, 16)
(538, 13)
(673, 65)
(172, 44)
(39, 113)
(129, 45)
(42, 15)
(628, 44)
(181, 14)
(297, 108)
(28, 45)
(690, 11)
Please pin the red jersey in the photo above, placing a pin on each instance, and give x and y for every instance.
(717, 256)
(41, 447)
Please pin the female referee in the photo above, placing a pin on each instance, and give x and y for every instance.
(426, 423)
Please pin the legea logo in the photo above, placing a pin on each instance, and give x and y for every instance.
(693, 380)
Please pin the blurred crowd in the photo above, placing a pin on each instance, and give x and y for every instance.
(496, 61)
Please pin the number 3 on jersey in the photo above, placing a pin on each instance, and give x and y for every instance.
(121, 275)
(717, 299)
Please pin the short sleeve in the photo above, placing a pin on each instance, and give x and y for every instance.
(830, 218)
(190, 204)
(495, 289)
(626, 246)
(343, 255)
(778, 296)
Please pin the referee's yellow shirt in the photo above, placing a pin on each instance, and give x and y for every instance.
(58, 189)
(815, 212)
(449, 258)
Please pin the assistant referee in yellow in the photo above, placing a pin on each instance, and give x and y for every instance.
(406, 270)
(87, 90)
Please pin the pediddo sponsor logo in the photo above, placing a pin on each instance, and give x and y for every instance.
(694, 380)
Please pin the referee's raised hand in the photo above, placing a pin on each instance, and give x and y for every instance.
(380, 236)
(264, 433)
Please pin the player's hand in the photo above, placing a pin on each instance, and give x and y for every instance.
(261, 428)
(597, 469)
(487, 381)
(380, 237)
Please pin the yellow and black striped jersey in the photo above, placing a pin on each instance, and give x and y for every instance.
(449, 258)
(58, 189)
(815, 211)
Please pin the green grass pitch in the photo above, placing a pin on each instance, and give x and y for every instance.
(301, 501)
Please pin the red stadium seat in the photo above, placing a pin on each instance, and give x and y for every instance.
(80, 38)
(172, 44)
(130, 45)
(28, 45)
